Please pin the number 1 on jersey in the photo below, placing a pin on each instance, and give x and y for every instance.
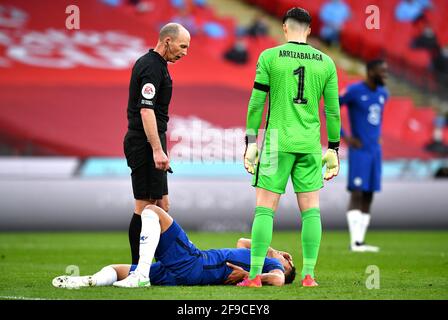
(301, 73)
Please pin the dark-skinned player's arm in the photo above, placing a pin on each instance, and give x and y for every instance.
(345, 99)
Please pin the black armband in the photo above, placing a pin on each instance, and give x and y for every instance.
(261, 87)
(333, 145)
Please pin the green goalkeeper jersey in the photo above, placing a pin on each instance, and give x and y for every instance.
(295, 75)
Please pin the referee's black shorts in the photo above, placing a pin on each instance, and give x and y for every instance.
(147, 181)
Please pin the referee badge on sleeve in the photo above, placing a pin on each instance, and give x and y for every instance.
(148, 91)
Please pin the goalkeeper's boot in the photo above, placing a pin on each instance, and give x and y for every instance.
(251, 283)
(133, 280)
(308, 281)
(363, 247)
(69, 282)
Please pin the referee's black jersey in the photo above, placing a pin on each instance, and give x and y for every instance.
(151, 87)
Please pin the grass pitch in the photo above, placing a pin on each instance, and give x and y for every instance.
(412, 265)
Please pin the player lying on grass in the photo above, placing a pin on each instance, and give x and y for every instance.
(179, 262)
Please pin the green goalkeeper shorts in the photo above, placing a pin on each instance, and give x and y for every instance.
(274, 169)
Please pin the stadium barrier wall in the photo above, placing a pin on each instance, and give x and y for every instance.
(213, 204)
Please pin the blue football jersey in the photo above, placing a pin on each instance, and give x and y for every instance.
(212, 267)
(365, 108)
(180, 262)
(216, 271)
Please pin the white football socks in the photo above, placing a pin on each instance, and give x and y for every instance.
(149, 239)
(365, 221)
(358, 223)
(105, 277)
(354, 220)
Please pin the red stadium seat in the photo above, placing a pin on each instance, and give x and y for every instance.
(396, 114)
(419, 126)
(68, 103)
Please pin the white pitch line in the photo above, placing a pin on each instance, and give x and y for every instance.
(20, 298)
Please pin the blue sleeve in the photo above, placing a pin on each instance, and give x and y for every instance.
(272, 264)
(347, 97)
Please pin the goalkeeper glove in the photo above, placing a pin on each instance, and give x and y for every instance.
(250, 155)
(331, 160)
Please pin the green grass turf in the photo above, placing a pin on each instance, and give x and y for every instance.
(413, 265)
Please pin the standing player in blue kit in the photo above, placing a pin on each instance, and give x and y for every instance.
(365, 101)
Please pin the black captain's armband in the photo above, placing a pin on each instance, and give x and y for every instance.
(261, 87)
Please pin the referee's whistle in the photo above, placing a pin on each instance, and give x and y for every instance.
(170, 170)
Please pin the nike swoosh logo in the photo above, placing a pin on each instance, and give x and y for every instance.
(142, 283)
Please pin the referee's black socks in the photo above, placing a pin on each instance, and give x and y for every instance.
(135, 227)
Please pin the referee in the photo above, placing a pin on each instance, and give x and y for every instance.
(150, 92)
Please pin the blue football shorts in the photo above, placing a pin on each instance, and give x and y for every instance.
(364, 169)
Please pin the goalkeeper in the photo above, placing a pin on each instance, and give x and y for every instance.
(296, 76)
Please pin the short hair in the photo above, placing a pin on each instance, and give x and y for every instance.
(299, 15)
(169, 30)
(289, 277)
(372, 64)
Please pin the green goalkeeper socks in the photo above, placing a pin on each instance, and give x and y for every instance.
(262, 228)
(311, 236)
